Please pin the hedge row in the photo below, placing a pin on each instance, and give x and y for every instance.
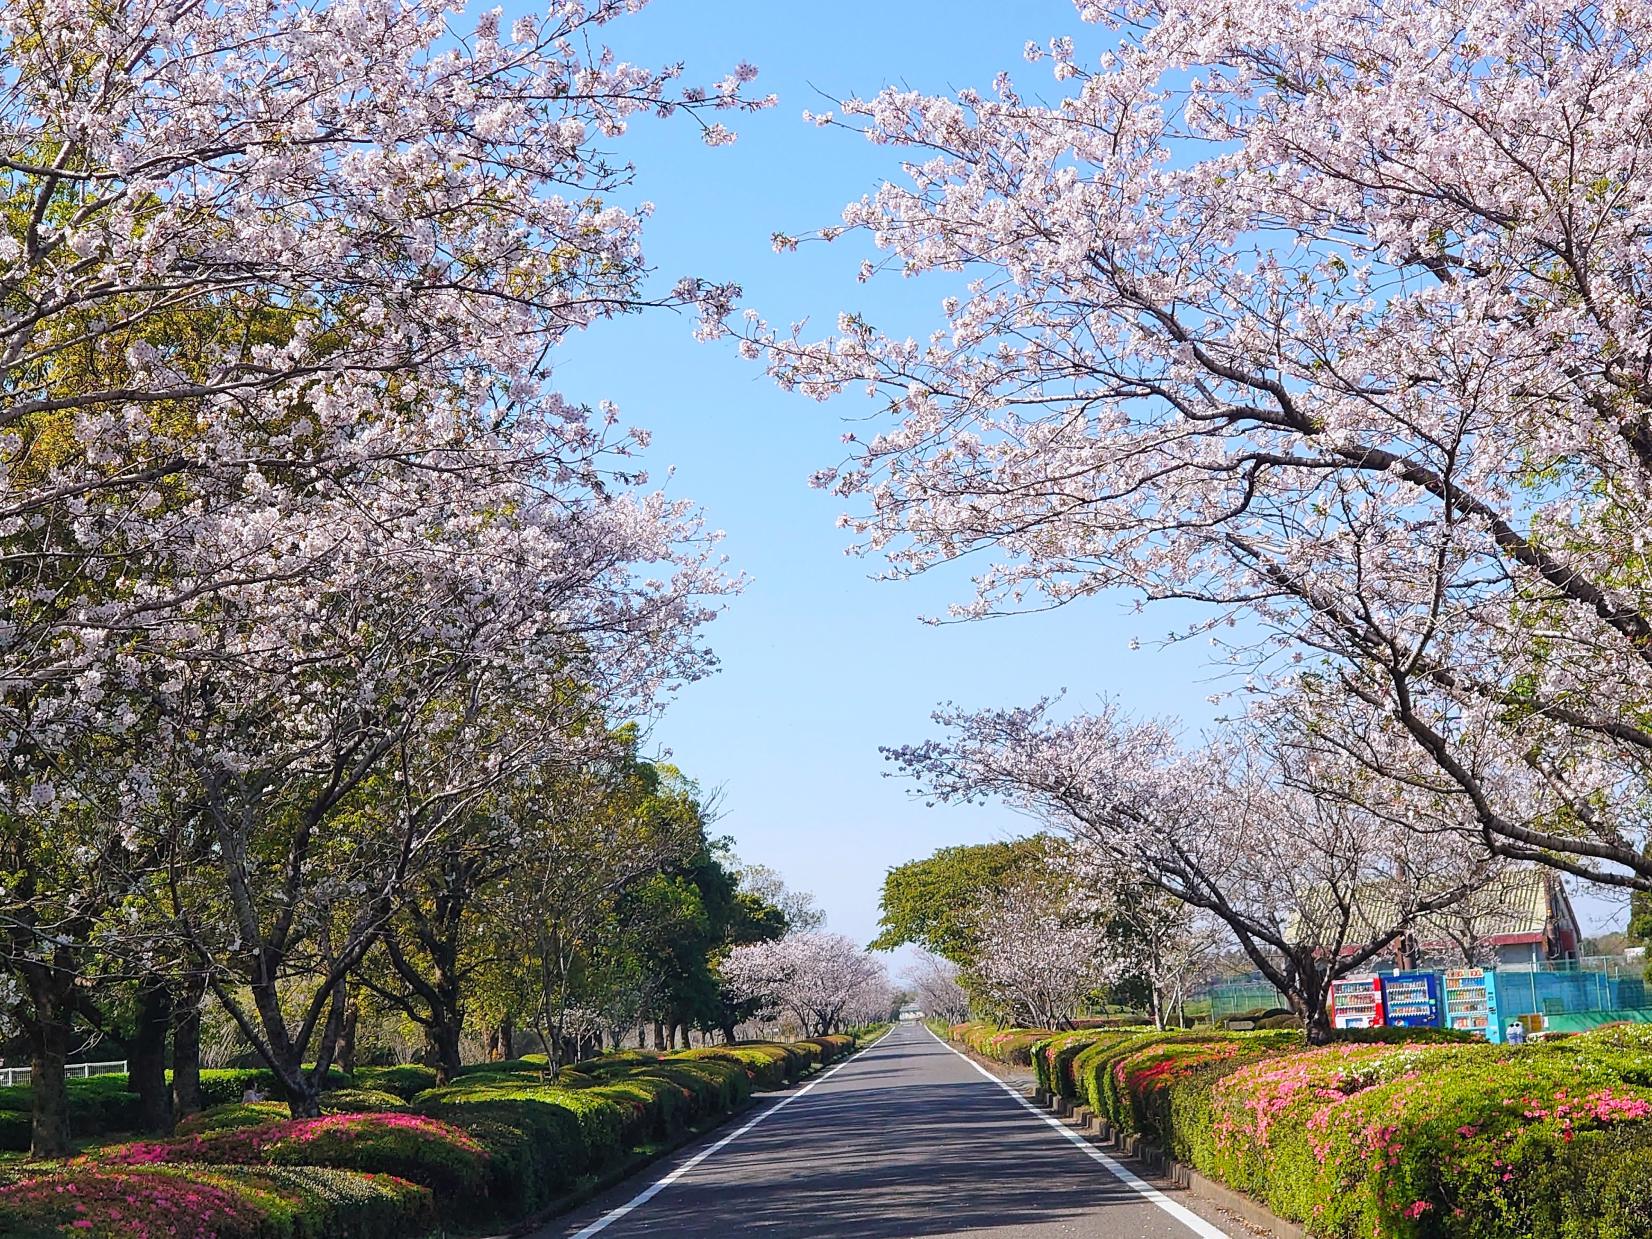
(1424, 1138)
(229, 1202)
(97, 1105)
(1006, 1045)
(102, 1104)
(495, 1145)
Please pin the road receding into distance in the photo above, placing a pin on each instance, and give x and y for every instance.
(908, 1138)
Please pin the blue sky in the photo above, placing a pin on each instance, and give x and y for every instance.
(821, 665)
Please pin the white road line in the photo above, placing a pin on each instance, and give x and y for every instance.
(1145, 1190)
(659, 1185)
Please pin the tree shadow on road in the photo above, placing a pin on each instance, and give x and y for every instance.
(866, 1161)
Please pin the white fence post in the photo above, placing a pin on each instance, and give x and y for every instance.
(10, 1076)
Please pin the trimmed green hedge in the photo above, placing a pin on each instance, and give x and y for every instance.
(423, 1150)
(305, 1202)
(831, 1047)
(492, 1147)
(1005, 1045)
(769, 1064)
(405, 1080)
(224, 1084)
(1386, 1137)
(232, 1116)
(97, 1105)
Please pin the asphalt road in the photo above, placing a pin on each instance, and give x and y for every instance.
(906, 1139)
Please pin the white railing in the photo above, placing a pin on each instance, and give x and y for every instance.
(21, 1075)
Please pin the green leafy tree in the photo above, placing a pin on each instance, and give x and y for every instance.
(927, 902)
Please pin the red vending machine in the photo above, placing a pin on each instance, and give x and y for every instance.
(1356, 1002)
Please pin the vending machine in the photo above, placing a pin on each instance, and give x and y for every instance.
(1471, 1002)
(1356, 1002)
(1411, 1000)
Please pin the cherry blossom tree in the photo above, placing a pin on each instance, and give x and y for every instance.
(820, 979)
(1336, 316)
(1042, 952)
(936, 989)
(288, 496)
(271, 245)
(1279, 843)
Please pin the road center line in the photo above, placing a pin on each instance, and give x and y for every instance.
(659, 1185)
(1145, 1190)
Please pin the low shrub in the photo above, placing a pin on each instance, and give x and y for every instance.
(1403, 1142)
(128, 1203)
(713, 1086)
(233, 1116)
(768, 1064)
(535, 1150)
(831, 1047)
(496, 1144)
(1052, 1058)
(1387, 1134)
(223, 1084)
(1005, 1045)
(1091, 1067)
(405, 1080)
(165, 1202)
(619, 1060)
(508, 1066)
(1141, 1084)
(359, 1100)
(423, 1150)
(1403, 1036)
(98, 1105)
(599, 1120)
(655, 1108)
(16, 1130)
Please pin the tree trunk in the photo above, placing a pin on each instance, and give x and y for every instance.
(49, 1053)
(443, 1041)
(659, 1034)
(728, 1034)
(347, 1037)
(298, 1087)
(304, 1098)
(186, 1051)
(1318, 1025)
(146, 1054)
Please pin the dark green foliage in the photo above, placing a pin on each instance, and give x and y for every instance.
(224, 1084)
(98, 1105)
(925, 902)
(358, 1100)
(406, 1080)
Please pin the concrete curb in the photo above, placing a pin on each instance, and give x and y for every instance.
(1099, 1132)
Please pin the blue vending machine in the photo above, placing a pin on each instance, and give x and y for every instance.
(1471, 1002)
(1412, 1000)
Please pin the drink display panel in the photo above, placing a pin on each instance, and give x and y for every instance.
(1411, 1000)
(1356, 1002)
(1471, 1002)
